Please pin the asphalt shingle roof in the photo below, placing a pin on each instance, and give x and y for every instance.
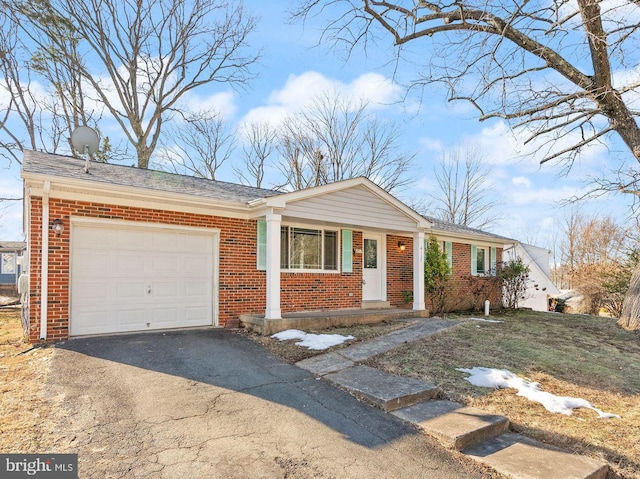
(69, 167)
(12, 245)
(464, 230)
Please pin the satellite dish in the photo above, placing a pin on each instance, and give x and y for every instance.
(85, 140)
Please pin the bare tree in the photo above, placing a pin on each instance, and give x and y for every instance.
(46, 97)
(545, 67)
(335, 138)
(465, 195)
(594, 250)
(630, 314)
(198, 146)
(259, 144)
(152, 53)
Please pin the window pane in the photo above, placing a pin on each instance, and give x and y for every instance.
(480, 254)
(8, 263)
(306, 249)
(331, 250)
(370, 253)
(284, 247)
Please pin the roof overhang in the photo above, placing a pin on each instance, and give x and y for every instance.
(97, 192)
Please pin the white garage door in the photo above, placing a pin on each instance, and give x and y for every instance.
(138, 278)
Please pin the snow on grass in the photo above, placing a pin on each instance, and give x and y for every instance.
(486, 320)
(312, 341)
(501, 378)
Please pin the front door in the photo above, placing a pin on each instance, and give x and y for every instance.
(372, 268)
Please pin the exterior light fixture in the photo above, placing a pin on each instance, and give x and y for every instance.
(401, 246)
(57, 226)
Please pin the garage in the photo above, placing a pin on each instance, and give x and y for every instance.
(129, 277)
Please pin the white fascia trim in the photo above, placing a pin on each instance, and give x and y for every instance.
(135, 197)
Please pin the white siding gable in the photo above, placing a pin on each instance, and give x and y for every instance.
(357, 206)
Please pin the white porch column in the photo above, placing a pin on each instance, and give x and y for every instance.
(418, 271)
(272, 310)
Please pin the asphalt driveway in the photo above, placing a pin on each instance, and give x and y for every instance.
(208, 403)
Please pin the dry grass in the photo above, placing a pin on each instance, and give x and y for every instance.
(569, 355)
(24, 411)
(288, 351)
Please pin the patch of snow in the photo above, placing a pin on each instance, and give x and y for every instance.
(486, 320)
(289, 334)
(501, 378)
(312, 341)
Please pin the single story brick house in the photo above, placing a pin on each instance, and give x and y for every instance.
(121, 249)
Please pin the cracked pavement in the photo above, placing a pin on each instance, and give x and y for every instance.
(208, 403)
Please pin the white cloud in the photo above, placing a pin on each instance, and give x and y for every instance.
(431, 144)
(521, 181)
(301, 90)
(542, 196)
(222, 102)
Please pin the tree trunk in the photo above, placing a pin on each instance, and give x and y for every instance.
(630, 317)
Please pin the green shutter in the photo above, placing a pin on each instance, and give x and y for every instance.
(262, 244)
(347, 251)
(448, 248)
(474, 260)
(493, 260)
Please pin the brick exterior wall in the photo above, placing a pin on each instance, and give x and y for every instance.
(460, 294)
(323, 291)
(242, 287)
(399, 271)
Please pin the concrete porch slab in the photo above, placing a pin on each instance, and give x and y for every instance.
(325, 319)
(386, 391)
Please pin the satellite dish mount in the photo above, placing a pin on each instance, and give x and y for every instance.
(85, 140)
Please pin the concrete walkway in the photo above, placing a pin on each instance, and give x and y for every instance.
(480, 435)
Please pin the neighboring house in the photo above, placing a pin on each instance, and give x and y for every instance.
(127, 249)
(540, 287)
(10, 252)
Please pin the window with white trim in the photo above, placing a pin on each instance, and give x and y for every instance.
(483, 260)
(8, 263)
(307, 248)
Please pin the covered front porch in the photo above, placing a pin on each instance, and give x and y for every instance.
(339, 247)
(315, 320)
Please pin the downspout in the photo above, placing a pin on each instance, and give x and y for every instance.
(44, 249)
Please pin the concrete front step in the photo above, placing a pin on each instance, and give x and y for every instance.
(386, 391)
(520, 457)
(454, 425)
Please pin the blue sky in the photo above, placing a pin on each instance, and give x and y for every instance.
(294, 69)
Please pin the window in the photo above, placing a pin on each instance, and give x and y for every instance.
(8, 265)
(447, 247)
(371, 253)
(483, 260)
(305, 248)
(480, 261)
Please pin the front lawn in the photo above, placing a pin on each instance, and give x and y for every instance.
(569, 355)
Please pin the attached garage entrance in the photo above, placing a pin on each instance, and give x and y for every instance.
(131, 277)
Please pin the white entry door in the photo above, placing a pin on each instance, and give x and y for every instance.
(128, 277)
(372, 267)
